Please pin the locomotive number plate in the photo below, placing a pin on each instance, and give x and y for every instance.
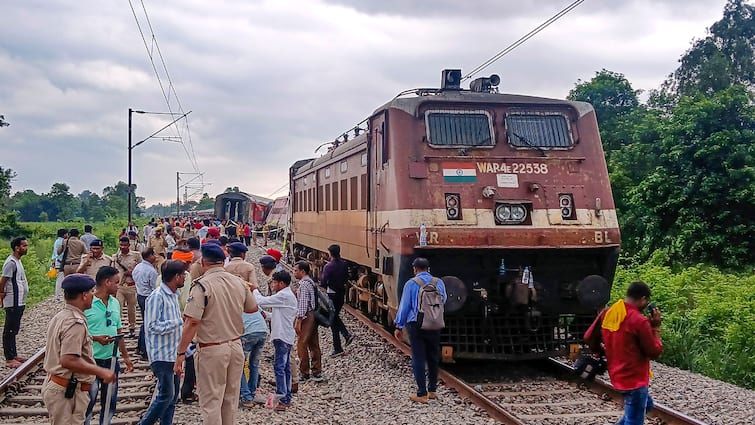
(514, 168)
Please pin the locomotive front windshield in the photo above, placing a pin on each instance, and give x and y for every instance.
(538, 131)
(459, 128)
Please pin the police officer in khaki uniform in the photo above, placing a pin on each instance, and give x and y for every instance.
(213, 315)
(158, 242)
(91, 263)
(69, 361)
(237, 266)
(125, 260)
(74, 249)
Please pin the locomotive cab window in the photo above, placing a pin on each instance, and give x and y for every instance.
(459, 128)
(539, 131)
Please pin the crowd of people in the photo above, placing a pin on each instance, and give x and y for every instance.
(205, 323)
(207, 316)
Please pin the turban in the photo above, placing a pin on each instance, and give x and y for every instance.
(183, 256)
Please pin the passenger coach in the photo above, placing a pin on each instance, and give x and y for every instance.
(507, 195)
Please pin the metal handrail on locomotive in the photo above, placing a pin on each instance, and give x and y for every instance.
(506, 195)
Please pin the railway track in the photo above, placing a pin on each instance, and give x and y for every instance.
(557, 400)
(21, 399)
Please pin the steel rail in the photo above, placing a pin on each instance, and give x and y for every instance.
(22, 371)
(666, 414)
(465, 391)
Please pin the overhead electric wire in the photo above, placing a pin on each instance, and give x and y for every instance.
(171, 88)
(277, 190)
(524, 38)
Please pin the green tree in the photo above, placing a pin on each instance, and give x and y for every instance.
(63, 201)
(6, 179)
(205, 203)
(699, 199)
(28, 204)
(726, 56)
(115, 200)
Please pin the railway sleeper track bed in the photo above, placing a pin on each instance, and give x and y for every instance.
(560, 399)
(21, 398)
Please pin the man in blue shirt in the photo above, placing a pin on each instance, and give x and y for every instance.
(163, 326)
(57, 262)
(425, 344)
(145, 279)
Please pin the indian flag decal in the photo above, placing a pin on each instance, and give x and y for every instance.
(459, 172)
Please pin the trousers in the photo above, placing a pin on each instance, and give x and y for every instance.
(636, 405)
(308, 346)
(425, 346)
(219, 370)
(252, 345)
(282, 369)
(127, 297)
(98, 388)
(61, 410)
(12, 326)
(141, 346)
(164, 404)
(337, 327)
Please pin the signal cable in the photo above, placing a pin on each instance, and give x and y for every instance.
(524, 38)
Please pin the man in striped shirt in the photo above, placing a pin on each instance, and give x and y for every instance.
(163, 326)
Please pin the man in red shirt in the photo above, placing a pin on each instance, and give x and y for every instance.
(630, 341)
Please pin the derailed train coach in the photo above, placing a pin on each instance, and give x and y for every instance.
(242, 207)
(508, 197)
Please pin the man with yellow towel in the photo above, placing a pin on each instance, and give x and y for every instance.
(630, 341)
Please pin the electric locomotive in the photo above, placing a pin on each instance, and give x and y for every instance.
(506, 195)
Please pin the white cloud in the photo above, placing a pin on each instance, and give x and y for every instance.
(268, 81)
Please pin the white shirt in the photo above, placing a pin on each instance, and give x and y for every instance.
(283, 304)
(145, 277)
(15, 290)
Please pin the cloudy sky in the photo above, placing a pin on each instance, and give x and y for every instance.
(268, 81)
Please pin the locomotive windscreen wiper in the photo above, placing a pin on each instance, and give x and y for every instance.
(528, 143)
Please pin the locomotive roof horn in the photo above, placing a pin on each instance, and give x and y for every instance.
(485, 84)
(451, 79)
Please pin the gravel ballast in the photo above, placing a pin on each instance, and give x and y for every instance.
(372, 382)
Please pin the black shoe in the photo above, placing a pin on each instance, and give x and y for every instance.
(337, 353)
(350, 339)
(303, 378)
(317, 377)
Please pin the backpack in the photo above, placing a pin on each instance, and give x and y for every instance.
(325, 311)
(430, 305)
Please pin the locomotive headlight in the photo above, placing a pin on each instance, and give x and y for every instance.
(510, 213)
(518, 213)
(503, 212)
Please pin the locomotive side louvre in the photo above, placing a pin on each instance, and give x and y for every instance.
(493, 178)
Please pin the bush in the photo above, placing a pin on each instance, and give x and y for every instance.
(708, 318)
